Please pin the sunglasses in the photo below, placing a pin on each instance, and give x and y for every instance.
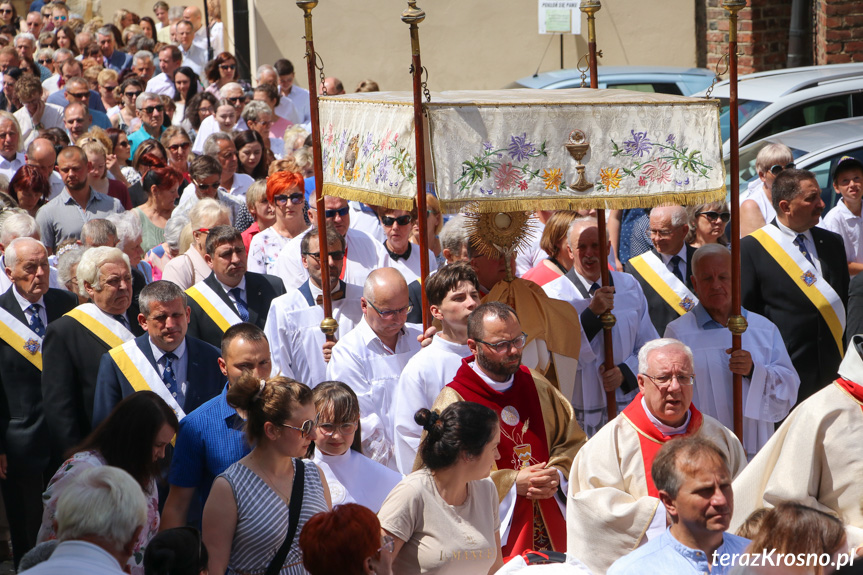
(236, 100)
(206, 186)
(306, 428)
(109, 88)
(227, 67)
(282, 199)
(123, 144)
(341, 212)
(151, 109)
(175, 147)
(79, 95)
(401, 220)
(776, 168)
(336, 256)
(131, 94)
(5, 11)
(713, 216)
(60, 18)
(45, 60)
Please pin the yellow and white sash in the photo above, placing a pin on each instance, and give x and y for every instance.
(781, 248)
(142, 375)
(106, 328)
(666, 284)
(21, 338)
(213, 305)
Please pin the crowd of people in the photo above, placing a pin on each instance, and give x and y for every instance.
(169, 403)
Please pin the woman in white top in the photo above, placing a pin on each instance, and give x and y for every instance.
(285, 191)
(351, 476)
(444, 517)
(189, 268)
(756, 207)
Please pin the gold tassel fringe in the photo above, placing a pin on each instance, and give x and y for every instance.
(369, 197)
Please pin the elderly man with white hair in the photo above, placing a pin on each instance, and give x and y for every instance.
(99, 520)
(25, 45)
(233, 93)
(152, 113)
(664, 272)
(143, 65)
(21, 225)
(112, 57)
(25, 310)
(11, 157)
(613, 505)
(75, 343)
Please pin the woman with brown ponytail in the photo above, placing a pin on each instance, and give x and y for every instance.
(260, 504)
(444, 517)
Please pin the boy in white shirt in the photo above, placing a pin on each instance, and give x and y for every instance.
(844, 219)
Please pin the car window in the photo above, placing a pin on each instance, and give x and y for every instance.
(657, 87)
(746, 110)
(824, 169)
(814, 112)
(748, 171)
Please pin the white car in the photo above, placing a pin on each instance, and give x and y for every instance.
(780, 100)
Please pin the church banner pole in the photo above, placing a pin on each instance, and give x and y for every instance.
(736, 323)
(329, 325)
(413, 16)
(591, 7)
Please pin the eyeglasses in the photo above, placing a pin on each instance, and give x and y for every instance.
(502, 346)
(282, 199)
(341, 212)
(60, 18)
(388, 543)
(776, 168)
(47, 61)
(236, 100)
(713, 216)
(206, 186)
(662, 233)
(343, 428)
(132, 95)
(227, 66)
(336, 256)
(203, 230)
(175, 147)
(79, 95)
(391, 313)
(306, 428)
(109, 88)
(5, 10)
(663, 381)
(401, 220)
(151, 109)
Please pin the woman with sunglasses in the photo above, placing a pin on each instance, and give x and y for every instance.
(347, 541)
(251, 153)
(9, 15)
(398, 225)
(756, 205)
(351, 476)
(246, 517)
(107, 81)
(199, 107)
(220, 71)
(186, 84)
(449, 508)
(285, 191)
(126, 118)
(707, 224)
(178, 551)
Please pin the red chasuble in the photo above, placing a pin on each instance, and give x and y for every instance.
(855, 390)
(522, 443)
(651, 439)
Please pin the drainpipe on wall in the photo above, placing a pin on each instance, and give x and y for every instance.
(795, 34)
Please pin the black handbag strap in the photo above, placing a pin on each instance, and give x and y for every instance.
(294, 508)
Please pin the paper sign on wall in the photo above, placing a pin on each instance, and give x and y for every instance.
(559, 17)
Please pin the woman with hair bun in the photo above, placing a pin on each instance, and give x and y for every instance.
(260, 503)
(444, 517)
(352, 477)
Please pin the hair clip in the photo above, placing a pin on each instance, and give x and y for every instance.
(260, 389)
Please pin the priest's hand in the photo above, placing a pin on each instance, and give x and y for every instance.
(328, 350)
(425, 338)
(740, 362)
(536, 481)
(611, 379)
(602, 301)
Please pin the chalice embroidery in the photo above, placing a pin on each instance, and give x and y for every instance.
(522, 454)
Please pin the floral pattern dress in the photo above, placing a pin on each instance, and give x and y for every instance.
(71, 468)
(264, 250)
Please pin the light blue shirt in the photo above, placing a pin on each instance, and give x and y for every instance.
(705, 322)
(665, 554)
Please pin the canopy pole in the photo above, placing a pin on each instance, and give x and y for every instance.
(413, 16)
(329, 325)
(591, 7)
(736, 323)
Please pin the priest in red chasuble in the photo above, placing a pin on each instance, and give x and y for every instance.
(613, 506)
(539, 433)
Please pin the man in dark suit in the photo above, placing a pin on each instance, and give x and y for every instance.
(666, 270)
(230, 294)
(785, 295)
(24, 450)
(74, 345)
(182, 370)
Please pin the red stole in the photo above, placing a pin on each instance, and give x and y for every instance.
(855, 390)
(651, 439)
(344, 263)
(523, 442)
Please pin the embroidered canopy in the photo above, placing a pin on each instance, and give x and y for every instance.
(509, 150)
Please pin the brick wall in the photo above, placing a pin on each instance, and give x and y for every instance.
(838, 31)
(762, 33)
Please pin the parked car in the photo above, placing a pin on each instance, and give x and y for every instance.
(817, 148)
(662, 79)
(781, 100)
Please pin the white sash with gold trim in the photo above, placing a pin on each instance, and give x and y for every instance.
(805, 276)
(142, 375)
(106, 328)
(21, 338)
(666, 284)
(213, 305)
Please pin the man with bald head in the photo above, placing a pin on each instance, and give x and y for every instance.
(332, 85)
(41, 154)
(76, 119)
(25, 311)
(372, 356)
(217, 45)
(770, 381)
(64, 216)
(664, 272)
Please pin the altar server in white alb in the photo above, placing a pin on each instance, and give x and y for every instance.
(373, 355)
(399, 251)
(362, 252)
(300, 349)
(632, 329)
(453, 293)
(770, 381)
(351, 476)
(814, 456)
(613, 505)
